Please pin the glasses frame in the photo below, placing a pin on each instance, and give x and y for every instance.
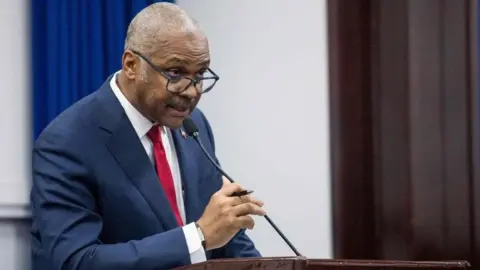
(169, 78)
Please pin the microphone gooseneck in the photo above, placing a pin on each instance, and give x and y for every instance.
(192, 131)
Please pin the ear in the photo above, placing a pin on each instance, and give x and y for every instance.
(130, 64)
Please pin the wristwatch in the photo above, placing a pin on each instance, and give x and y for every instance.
(202, 237)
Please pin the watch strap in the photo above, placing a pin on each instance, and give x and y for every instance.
(200, 234)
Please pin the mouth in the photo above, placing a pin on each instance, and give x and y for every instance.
(178, 110)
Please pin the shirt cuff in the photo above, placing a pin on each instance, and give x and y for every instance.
(194, 243)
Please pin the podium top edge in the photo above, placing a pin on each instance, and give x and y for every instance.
(358, 262)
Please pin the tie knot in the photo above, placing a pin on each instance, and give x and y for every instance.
(154, 134)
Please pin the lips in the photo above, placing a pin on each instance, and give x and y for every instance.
(179, 108)
(178, 111)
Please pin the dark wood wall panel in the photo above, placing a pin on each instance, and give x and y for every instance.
(458, 145)
(391, 123)
(404, 129)
(426, 129)
(474, 128)
(352, 134)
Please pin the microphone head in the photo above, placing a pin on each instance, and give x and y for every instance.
(190, 127)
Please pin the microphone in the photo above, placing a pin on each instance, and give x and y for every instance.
(192, 131)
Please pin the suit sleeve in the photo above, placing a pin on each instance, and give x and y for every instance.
(241, 245)
(64, 209)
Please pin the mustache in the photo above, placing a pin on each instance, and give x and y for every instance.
(180, 103)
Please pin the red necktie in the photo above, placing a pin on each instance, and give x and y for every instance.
(163, 170)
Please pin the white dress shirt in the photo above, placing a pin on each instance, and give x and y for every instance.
(142, 125)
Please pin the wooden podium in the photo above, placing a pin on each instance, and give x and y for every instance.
(300, 263)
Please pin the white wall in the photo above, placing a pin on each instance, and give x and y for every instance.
(269, 112)
(15, 137)
(14, 244)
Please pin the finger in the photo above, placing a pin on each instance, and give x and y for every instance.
(244, 222)
(234, 201)
(229, 189)
(246, 199)
(248, 209)
(253, 200)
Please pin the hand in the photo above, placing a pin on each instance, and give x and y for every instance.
(224, 216)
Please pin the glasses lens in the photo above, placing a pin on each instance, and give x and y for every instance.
(180, 84)
(208, 81)
(206, 84)
(177, 85)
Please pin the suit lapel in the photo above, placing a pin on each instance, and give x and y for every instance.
(126, 148)
(132, 158)
(187, 170)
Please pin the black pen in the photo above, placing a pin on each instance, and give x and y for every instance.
(242, 193)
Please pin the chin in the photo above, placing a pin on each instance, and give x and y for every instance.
(173, 122)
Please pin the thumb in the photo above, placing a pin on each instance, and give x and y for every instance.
(225, 181)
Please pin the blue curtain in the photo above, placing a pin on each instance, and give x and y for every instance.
(76, 45)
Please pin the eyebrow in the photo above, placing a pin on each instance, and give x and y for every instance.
(180, 61)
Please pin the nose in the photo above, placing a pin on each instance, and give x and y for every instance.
(191, 92)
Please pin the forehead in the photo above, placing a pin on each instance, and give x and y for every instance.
(187, 48)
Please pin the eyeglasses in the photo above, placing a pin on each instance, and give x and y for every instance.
(179, 83)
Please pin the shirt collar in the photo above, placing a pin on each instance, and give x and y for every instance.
(140, 123)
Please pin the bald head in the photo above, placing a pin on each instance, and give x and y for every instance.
(153, 26)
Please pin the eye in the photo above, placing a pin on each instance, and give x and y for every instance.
(174, 72)
(201, 73)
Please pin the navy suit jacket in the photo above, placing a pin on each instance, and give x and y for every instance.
(96, 199)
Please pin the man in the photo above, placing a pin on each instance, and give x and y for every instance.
(116, 185)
